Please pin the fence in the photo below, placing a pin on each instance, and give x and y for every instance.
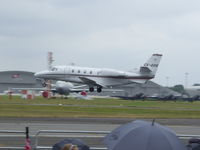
(84, 134)
(11, 132)
(91, 134)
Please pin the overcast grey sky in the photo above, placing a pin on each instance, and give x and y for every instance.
(119, 34)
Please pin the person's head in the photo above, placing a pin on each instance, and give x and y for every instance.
(70, 147)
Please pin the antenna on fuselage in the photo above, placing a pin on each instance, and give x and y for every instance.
(50, 60)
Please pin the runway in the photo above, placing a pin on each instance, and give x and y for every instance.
(191, 127)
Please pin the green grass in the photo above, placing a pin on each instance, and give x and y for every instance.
(17, 107)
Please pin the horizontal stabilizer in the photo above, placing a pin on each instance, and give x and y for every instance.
(139, 81)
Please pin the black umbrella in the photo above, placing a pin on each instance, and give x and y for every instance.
(194, 144)
(142, 135)
(81, 145)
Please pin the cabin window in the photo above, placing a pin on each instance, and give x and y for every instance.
(85, 71)
(72, 70)
(90, 72)
(79, 71)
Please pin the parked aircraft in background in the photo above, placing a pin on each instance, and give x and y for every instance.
(193, 91)
(65, 88)
(60, 87)
(101, 77)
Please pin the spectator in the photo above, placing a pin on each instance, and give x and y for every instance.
(70, 144)
(70, 147)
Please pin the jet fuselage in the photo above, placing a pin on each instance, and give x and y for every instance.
(102, 77)
(75, 74)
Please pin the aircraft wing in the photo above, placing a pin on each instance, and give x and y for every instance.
(78, 90)
(87, 90)
(79, 86)
(90, 81)
(113, 90)
(106, 83)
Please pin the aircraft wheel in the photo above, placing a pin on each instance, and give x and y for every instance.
(91, 89)
(99, 89)
(44, 84)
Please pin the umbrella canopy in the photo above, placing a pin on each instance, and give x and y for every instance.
(81, 145)
(143, 135)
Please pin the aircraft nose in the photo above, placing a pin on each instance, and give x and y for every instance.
(39, 74)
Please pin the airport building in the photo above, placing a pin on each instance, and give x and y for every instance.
(17, 79)
(24, 79)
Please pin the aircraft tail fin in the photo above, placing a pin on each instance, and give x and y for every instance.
(151, 66)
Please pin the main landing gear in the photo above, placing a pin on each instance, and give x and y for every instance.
(99, 89)
(91, 89)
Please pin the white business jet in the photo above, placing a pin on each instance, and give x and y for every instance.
(102, 77)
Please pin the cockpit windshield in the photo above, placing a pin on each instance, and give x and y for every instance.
(57, 68)
(54, 69)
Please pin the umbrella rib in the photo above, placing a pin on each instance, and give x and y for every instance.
(127, 134)
(166, 138)
(149, 136)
